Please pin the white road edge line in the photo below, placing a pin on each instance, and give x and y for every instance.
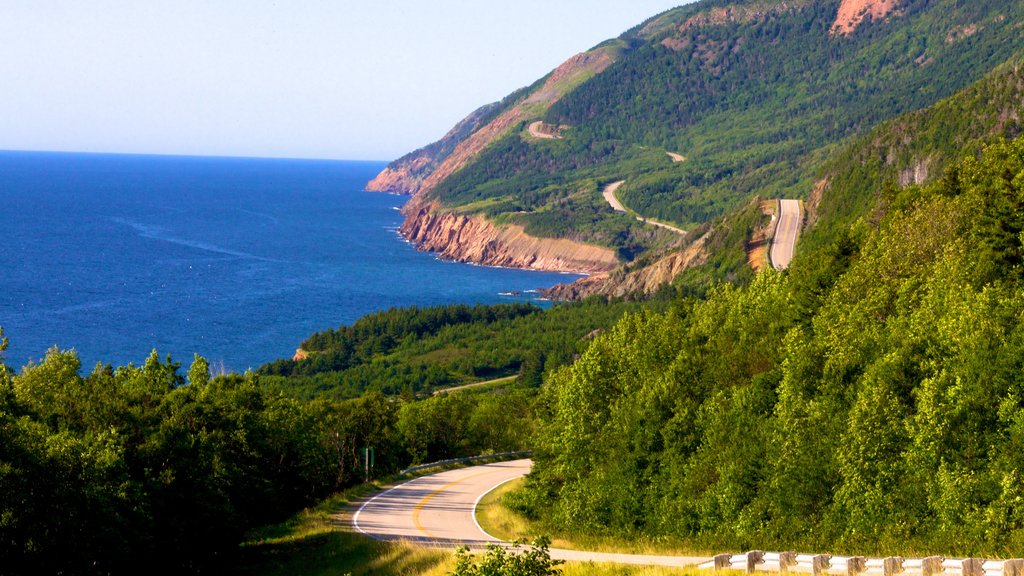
(355, 519)
(477, 503)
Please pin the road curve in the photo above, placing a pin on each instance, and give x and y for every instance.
(611, 198)
(613, 201)
(536, 130)
(786, 232)
(438, 511)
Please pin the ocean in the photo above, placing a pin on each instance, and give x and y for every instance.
(235, 259)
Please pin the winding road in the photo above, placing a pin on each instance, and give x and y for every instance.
(536, 130)
(439, 511)
(613, 201)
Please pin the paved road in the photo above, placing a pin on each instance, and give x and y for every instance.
(474, 385)
(613, 200)
(438, 511)
(786, 233)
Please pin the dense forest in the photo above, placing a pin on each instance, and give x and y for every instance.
(140, 468)
(867, 401)
(416, 351)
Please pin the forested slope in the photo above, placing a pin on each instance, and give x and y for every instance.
(866, 401)
(755, 95)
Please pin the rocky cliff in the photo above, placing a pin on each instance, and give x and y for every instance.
(472, 238)
(406, 175)
(755, 93)
(633, 279)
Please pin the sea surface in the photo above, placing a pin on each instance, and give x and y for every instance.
(235, 259)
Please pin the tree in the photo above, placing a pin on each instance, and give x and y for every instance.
(499, 561)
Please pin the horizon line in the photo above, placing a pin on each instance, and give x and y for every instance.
(182, 155)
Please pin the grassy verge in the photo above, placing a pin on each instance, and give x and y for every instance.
(319, 541)
(501, 522)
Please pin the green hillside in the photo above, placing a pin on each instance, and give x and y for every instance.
(868, 401)
(755, 101)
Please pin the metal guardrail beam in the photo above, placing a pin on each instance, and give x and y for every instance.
(523, 453)
(825, 564)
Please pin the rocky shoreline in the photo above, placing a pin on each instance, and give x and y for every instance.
(474, 239)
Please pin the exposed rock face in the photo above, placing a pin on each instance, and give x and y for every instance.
(406, 175)
(560, 81)
(853, 12)
(471, 238)
(403, 178)
(758, 244)
(729, 14)
(626, 281)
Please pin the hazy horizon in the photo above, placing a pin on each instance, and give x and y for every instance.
(310, 80)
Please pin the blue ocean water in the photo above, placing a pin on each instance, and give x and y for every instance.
(235, 259)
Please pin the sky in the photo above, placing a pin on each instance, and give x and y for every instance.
(341, 79)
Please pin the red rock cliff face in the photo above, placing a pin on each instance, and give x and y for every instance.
(471, 238)
(853, 12)
(553, 89)
(625, 281)
(402, 179)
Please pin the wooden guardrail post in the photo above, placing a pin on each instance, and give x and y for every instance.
(723, 561)
(856, 565)
(786, 560)
(754, 557)
(1013, 567)
(973, 567)
(932, 565)
(820, 564)
(892, 565)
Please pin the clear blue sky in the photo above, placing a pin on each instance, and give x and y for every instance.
(309, 79)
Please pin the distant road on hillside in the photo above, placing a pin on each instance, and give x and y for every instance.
(536, 130)
(786, 233)
(439, 511)
(613, 201)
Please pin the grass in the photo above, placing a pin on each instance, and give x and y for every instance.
(501, 522)
(319, 541)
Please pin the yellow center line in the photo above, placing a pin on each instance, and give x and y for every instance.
(419, 507)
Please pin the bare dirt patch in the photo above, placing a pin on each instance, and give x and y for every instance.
(757, 246)
(544, 131)
(853, 12)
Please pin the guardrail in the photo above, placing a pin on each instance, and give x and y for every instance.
(440, 463)
(821, 564)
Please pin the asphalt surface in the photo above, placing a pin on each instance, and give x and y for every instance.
(438, 511)
(613, 200)
(786, 233)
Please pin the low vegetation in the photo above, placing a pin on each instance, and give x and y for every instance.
(416, 351)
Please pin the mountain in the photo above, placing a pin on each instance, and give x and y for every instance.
(866, 402)
(703, 112)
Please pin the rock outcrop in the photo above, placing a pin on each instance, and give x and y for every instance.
(633, 279)
(853, 12)
(472, 238)
(406, 175)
